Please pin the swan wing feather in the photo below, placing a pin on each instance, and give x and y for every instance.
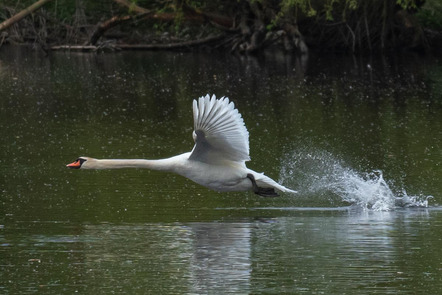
(220, 133)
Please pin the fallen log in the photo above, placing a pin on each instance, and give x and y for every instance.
(75, 47)
(161, 46)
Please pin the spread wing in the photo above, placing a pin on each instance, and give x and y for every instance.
(220, 133)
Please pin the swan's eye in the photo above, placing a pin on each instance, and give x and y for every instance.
(80, 161)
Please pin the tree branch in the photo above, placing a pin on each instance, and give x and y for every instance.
(110, 23)
(12, 20)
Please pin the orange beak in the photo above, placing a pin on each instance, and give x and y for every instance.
(75, 164)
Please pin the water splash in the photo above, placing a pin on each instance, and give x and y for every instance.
(323, 175)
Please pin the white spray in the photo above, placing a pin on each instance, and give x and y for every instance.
(320, 174)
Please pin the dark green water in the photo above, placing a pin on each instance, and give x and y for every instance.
(359, 138)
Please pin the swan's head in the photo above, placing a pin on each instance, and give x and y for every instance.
(81, 162)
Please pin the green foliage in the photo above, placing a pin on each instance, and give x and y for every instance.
(328, 8)
(304, 6)
(407, 4)
(352, 4)
(430, 14)
(310, 8)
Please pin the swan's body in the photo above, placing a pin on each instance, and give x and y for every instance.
(218, 158)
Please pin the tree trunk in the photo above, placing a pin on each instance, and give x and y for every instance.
(22, 14)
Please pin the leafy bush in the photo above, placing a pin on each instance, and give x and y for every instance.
(430, 15)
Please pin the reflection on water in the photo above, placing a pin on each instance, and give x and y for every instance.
(325, 126)
(193, 258)
(310, 251)
(221, 258)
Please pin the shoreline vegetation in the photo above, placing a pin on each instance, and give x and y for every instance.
(237, 26)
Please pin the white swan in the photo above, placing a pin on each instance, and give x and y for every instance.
(218, 158)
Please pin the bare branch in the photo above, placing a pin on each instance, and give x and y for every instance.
(22, 14)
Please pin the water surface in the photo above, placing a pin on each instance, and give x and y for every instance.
(359, 138)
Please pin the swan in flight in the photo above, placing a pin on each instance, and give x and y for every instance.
(218, 158)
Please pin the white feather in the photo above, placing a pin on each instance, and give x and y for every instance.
(219, 131)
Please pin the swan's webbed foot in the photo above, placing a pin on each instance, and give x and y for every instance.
(262, 191)
(267, 192)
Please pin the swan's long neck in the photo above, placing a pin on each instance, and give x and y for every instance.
(131, 163)
(169, 164)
